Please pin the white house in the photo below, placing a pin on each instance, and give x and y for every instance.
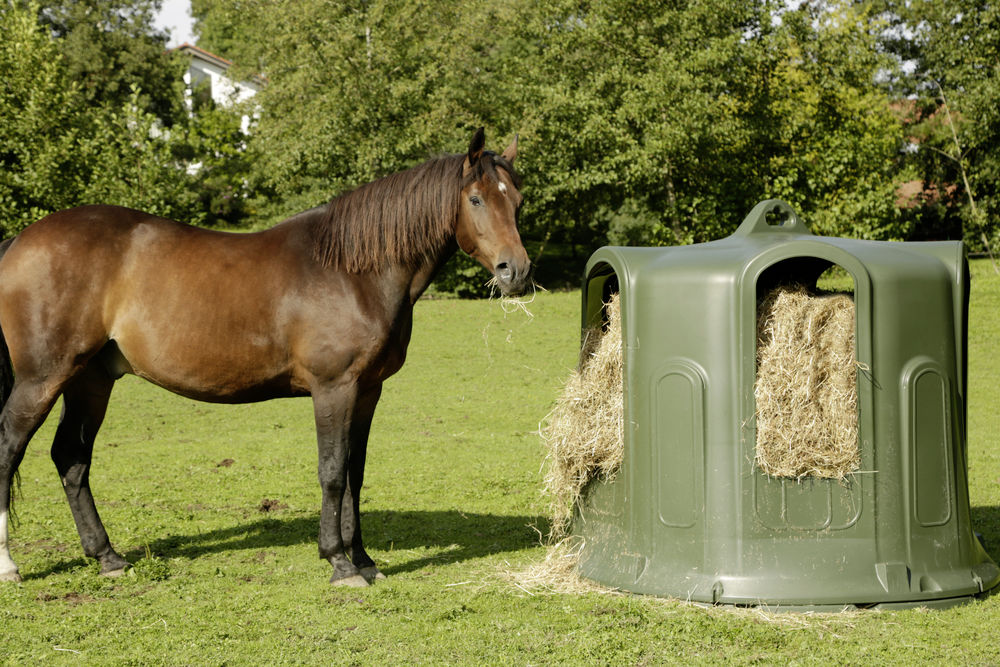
(209, 71)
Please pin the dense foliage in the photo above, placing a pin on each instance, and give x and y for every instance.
(954, 48)
(640, 121)
(92, 110)
(109, 46)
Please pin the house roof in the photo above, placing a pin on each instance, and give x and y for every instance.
(202, 54)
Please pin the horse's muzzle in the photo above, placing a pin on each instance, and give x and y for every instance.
(513, 277)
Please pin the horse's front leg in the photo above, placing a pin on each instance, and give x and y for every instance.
(334, 406)
(350, 520)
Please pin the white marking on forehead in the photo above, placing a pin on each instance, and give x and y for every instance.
(503, 188)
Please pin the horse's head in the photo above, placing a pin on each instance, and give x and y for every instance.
(487, 219)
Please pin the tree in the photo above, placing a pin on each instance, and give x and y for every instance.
(38, 127)
(111, 46)
(132, 161)
(216, 143)
(954, 49)
(226, 28)
(647, 112)
(835, 142)
(58, 149)
(641, 121)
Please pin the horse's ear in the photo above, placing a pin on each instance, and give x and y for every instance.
(476, 148)
(510, 153)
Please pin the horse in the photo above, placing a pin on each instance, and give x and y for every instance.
(320, 305)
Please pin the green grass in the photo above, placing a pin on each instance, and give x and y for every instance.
(451, 502)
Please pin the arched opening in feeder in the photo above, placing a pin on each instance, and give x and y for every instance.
(805, 388)
(584, 432)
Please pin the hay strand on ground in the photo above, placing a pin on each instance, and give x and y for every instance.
(584, 434)
(557, 572)
(806, 387)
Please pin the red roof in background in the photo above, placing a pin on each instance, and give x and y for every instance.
(187, 47)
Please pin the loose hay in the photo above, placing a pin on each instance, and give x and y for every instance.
(806, 389)
(806, 416)
(556, 573)
(584, 434)
(512, 304)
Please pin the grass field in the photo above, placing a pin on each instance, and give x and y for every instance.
(218, 508)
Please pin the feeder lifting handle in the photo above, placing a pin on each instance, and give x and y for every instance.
(772, 216)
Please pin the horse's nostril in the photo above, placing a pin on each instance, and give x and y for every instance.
(503, 271)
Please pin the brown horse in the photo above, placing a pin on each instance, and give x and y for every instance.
(320, 305)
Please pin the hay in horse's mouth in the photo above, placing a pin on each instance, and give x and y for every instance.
(584, 433)
(511, 304)
(806, 387)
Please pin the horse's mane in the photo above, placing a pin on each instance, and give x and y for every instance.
(403, 218)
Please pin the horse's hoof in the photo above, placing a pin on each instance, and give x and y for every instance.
(112, 564)
(113, 573)
(11, 576)
(354, 581)
(372, 574)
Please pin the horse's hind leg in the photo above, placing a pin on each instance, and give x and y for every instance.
(85, 401)
(22, 414)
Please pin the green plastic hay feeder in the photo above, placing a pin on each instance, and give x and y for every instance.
(691, 516)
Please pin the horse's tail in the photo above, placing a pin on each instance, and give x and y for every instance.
(6, 385)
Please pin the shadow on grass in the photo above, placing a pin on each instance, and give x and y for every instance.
(986, 522)
(452, 535)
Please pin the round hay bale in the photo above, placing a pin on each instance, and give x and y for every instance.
(584, 434)
(806, 387)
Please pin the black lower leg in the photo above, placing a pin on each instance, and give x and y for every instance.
(350, 524)
(333, 406)
(83, 411)
(350, 530)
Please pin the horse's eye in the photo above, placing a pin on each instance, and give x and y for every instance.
(476, 201)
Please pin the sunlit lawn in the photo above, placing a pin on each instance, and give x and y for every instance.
(218, 505)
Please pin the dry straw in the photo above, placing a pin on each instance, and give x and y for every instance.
(806, 388)
(512, 304)
(584, 433)
(556, 573)
(806, 413)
